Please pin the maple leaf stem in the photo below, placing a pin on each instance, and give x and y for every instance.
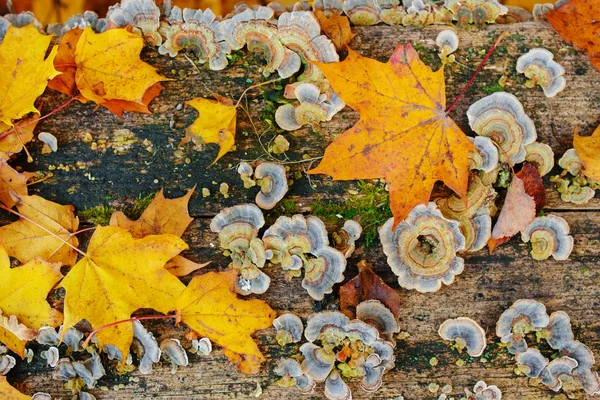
(83, 230)
(3, 207)
(123, 321)
(487, 56)
(72, 99)
(253, 87)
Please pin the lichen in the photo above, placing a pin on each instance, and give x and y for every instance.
(370, 205)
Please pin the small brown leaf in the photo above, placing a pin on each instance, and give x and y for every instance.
(534, 185)
(367, 285)
(12, 181)
(336, 27)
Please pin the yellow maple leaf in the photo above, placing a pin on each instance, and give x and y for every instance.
(215, 124)
(210, 307)
(25, 240)
(24, 71)
(109, 67)
(588, 150)
(118, 276)
(404, 134)
(8, 392)
(23, 292)
(12, 181)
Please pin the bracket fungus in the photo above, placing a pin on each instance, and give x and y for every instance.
(345, 239)
(289, 329)
(329, 7)
(549, 236)
(336, 388)
(7, 362)
(558, 332)
(173, 351)
(540, 10)
(142, 15)
(72, 338)
(587, 379)
(145, 347)
(345, 348)
(361, 12)
(501, 117)
(522, 317)
(541, 155)
(556, 371)
(447, 43)
(465, 333)
(292, 240)
(291, 372)
(202, 346)
(486, 157)
(257, 30)
(376, 314)
(531, 362)
(238, 227)
(421, 250)
(51, 356)
(571, 162)
(483, 391)
(539, 67)
(246, 171)
(196, 31)
(48, 335)
(273, 183)
(314, 108)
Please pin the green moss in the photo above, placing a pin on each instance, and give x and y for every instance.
(494, 87)
(370, 205)
(290, 206)
(137, 208)
(99, 215)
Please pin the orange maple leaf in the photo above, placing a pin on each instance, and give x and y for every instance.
(13, 139)
(576, 21)
(404, 134)
(210, 306)
(107, 70)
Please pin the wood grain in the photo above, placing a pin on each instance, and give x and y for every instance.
(88, 177)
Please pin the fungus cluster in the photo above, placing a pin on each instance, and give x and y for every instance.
(539, 67)
(7, 362)
(338, 348)
(422, 249)
(447, 43)
(483, 391)
(345, 239)
(272, 180)
(577, 189)
(300, 242)
(314, 107)
(571, 371)
(238, 228)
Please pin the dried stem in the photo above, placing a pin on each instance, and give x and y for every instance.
(253, 87)
(487, 56)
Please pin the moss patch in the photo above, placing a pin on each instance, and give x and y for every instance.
(100, 215)
(370, 205)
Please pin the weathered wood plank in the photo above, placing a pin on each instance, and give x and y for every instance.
(489, 285)
(96, 177)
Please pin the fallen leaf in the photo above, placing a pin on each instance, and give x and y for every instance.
(8, 392)
(118, 276)
(51, 11)
(215, 124)
(161, 216)
(181, 266)
(23, 292)
(117, 107)
(24, 71)
(211, 308)
(25, 240)
(109, 67)
(12, 139)
(588, 150)
(367, 285)
(526, 196)
(336, 27)
(576, 21)
(12, 181)
(526, 4)
(404, 134)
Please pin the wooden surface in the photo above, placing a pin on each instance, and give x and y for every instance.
(87, 178)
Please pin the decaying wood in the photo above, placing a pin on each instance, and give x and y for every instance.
(113, 172)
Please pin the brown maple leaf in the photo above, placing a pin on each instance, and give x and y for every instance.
(404, 134)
